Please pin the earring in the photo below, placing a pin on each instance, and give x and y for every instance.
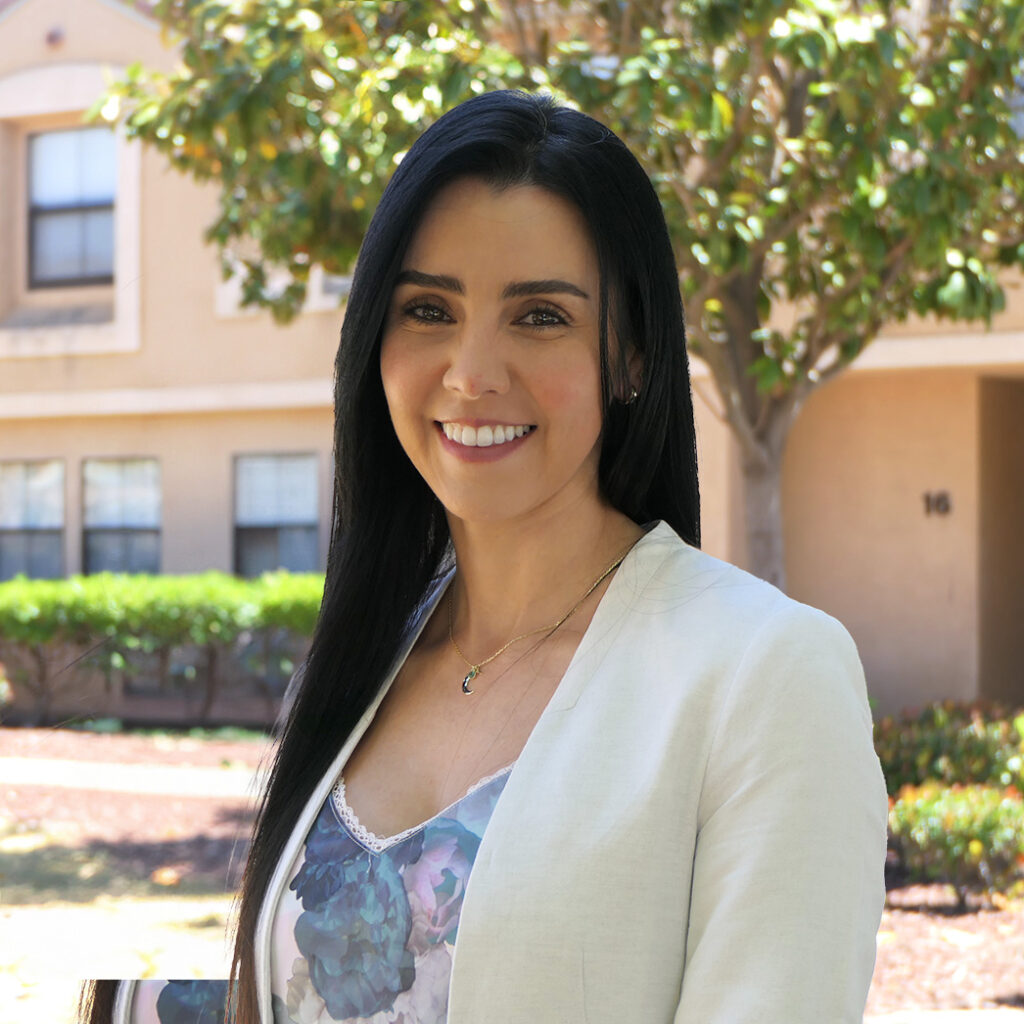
(633, 396)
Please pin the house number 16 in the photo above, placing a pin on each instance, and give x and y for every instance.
(937, 503)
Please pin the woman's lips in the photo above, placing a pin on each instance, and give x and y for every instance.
(499, 439)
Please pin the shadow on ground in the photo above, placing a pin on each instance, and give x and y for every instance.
(940, 900)
(40, 865)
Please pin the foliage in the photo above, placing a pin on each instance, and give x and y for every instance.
(302, 112)
(290, 601)
(950, 743)
(838, 158)
(152, 611)
(113, 616)
(827, 167)
(230, 733)
(969, 836)
(101, 726)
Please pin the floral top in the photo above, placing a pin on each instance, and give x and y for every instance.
(366, 929)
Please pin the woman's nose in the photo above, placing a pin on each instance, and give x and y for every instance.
(477, 365)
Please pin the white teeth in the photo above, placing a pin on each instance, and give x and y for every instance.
(482, 437)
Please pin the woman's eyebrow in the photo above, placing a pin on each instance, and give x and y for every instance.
(445, 282)
(544, 287)
(515, 290)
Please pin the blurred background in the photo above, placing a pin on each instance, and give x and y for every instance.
(183, 189)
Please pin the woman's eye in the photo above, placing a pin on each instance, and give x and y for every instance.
(426, 313)
(543, 317)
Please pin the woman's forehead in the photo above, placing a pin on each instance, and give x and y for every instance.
(521, 229)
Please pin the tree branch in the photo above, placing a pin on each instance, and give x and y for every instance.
(525, 54)
(732, 402)
(712, 169)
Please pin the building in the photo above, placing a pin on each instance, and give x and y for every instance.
(149, 424)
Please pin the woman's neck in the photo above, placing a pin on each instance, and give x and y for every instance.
(517, 576)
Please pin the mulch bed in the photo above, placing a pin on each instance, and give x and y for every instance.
(931, 955)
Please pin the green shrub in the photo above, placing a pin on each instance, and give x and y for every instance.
(953, 743)
(289, 601)
(115, 616)
(969, 836)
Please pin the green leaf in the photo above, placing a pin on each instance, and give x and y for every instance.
(724, 108)
(953, 293)
(922, 96)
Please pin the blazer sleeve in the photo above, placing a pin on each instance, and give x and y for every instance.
(788, 874)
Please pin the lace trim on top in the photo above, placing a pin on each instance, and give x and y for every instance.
(380, 843)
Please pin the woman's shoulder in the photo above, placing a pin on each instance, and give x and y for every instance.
(727, 631)
(676, 586)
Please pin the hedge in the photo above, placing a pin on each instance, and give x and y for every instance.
(971, 837)
(951, 742)
(111, 616)
(955, 773)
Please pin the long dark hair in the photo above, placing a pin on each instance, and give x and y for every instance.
(389, 537)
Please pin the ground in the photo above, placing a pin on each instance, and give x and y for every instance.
(100, 880)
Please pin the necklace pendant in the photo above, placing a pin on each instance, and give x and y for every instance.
(470, 676)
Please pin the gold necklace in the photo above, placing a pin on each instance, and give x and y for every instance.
(475, 667)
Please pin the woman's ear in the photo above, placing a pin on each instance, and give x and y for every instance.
(634, 375)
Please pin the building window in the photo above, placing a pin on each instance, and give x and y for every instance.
(275, 514)
(71, 207)
(31, 519)
(122, 515)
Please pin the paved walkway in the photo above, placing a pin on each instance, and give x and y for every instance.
(162, 780)
(1006, 1016)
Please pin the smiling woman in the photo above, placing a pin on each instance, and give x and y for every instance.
(546, 760)
(494, 325)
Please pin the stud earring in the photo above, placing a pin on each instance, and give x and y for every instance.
(633, 396)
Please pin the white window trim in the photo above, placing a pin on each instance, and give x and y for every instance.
(46, 90)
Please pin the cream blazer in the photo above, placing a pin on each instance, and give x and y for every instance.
(695, 830)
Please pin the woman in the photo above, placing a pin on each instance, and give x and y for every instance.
(547, 761)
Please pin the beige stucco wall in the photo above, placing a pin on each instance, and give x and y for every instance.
(859, 544)
(1001, 567)
(183, 339)
(104, 29)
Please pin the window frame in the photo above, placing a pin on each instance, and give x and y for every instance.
(86, 530)
(59, 532)
(35, 211)
(238, 529)
(51, 98)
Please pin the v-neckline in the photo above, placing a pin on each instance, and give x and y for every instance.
(375, 843)
(607, 599)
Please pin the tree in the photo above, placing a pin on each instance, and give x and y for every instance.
(827, 166)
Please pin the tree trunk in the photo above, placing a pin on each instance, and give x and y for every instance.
(762, 514)
(42, 688)
(212, 682)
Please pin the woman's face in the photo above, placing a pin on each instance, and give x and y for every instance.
(490, 357)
